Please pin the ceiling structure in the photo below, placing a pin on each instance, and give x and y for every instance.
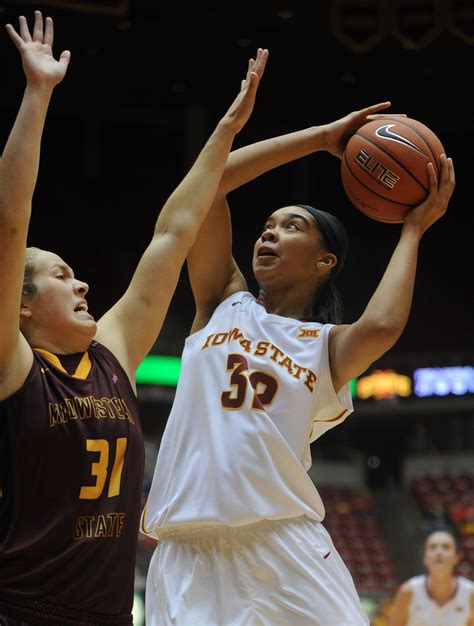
(147, 82)
(407, 50)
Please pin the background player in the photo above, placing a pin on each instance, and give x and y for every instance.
(71, 449)
(439, 597)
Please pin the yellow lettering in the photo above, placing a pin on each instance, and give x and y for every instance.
(99, 469)
(108, 404)
(128, 414)
(236, 334)
(56, 414)
(288, 363)
(115, 477)
(276, 352)
(309, 332)
(299, 369)
(110, 525)
(117, 404)
(83, 527)
(101, 527)
(71, 410)
(310, 379)
(120, 521)
(262, 347)
(219, 338)
(100, 410)
(84, 407)
(246, 345)
(208, 339)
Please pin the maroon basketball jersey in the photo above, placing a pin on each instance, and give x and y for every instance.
(71, 472)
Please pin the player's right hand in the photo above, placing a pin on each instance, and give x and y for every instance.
(240, 110)
(40, 67)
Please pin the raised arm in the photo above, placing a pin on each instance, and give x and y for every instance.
(18, 172)
(131, 327)
(355, 346)
(213, 272)
(249, 162)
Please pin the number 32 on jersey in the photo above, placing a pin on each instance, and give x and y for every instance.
(263, 386)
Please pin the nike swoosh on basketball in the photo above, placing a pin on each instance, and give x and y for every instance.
(384, 132)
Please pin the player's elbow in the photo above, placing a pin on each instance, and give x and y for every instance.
(387, 327)
(181, 233)
(383, 335)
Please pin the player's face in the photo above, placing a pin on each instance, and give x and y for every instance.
(288, 249)
(440, 552)
(57, 314)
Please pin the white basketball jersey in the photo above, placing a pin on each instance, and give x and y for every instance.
(424, 611)
(254, 390)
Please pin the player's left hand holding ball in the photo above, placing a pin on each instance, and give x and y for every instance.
(436, 204)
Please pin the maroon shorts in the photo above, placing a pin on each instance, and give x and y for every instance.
(37, 613)
(11, 621)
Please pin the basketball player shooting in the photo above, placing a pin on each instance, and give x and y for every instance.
(238, 519)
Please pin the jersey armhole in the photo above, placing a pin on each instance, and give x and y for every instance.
(238, 294)
(95, 345)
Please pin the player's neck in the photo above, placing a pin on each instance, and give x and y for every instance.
(286, 304)
(441, 586)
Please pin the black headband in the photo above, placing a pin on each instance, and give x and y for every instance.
(333, 233)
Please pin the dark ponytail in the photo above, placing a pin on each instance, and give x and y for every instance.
(328, 306)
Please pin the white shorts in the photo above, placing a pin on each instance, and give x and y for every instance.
(274, 573)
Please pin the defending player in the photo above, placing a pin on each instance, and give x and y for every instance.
(71, 448)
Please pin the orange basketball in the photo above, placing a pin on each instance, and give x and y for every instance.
(383, 167)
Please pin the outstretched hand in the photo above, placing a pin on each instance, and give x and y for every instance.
(436, 204)
(339, 132)
(39, 65)
(240, 110)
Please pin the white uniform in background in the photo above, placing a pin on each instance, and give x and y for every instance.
(235, 512)
(424, 611)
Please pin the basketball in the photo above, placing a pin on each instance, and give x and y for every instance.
(383, 167)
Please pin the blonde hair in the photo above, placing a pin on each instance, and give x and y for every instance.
(29, 285)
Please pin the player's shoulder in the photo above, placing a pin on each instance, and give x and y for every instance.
(414, 582)
(466, 583)
(202, 319)
(237, 297)
(405, 594)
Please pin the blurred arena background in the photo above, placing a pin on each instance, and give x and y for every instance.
(148, 81)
